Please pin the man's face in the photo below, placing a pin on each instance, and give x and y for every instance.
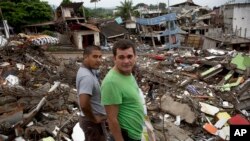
(93, 60)
(125, 61)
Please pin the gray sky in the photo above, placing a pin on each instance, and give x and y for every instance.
(114, 3)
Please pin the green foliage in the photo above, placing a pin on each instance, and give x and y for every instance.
(98, 13)
(126, 9)
(87, 12)
(141, 5)
(66, 2)
(50, 33)
(18, 1)
(162, 6)
(151, 6)
(23, 12)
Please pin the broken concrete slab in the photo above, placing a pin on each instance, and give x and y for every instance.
(173, 132)
(208, 109)
(175, 108)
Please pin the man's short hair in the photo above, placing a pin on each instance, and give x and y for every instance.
(88, 50)
(123, 44)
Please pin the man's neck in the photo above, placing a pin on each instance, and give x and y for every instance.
(123, 73)
(85, 65)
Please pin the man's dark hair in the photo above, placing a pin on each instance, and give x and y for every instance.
(88, 50)
(122, 45)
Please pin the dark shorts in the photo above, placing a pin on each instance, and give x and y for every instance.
(92, 131)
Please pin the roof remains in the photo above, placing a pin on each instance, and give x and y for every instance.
(112, 30)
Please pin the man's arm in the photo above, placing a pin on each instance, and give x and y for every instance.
(87, 109)
(112, 112)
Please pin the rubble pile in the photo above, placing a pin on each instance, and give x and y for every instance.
(197, 94)
(37, 99)
(190, 94)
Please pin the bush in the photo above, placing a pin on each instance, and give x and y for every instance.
(50, 33)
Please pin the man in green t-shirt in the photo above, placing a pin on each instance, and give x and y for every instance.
(120, 95)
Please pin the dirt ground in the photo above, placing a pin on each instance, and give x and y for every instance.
(67, 55)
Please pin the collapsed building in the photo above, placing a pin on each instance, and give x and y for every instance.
(199, 89)
(163, 28)
(73, 29)
(34, 96)
(196, 94)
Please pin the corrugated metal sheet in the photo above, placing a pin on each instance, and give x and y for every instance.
(111, 30)
(156, 20)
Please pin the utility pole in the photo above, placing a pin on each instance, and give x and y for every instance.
(5, 25)
(1, 13)
(169, 35)
(83, 12)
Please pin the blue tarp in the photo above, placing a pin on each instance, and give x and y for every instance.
(119, 20)
(171, 32)
(156, 20)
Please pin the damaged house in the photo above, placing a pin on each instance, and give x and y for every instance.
(80, 33)
(72, 27)
(196, 21)
(234, 35)
(236, 19)
(162, 30)
(217, 39)
(112, 31)
(187, 5)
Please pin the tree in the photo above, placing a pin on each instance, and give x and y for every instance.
(25, 12)
(141, 5)
(66, 2)
(162, 6)
(151, 6)
(98, 13)
(19, 1)
(126, 9)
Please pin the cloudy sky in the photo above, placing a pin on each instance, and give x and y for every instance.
(114, 3)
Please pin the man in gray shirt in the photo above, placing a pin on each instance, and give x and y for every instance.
(89, 96)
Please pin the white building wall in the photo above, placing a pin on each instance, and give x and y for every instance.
(241, 20)
(97, 39)
(66, 12)
(130, 25)
(228, 18)
(78, 38)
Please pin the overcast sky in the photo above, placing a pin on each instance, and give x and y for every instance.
(114, 3)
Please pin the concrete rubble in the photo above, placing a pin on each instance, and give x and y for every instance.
(203, 91)
(37, 96)
(193, 68)
(196, 95)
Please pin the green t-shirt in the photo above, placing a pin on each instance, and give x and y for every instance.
(123, 90)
